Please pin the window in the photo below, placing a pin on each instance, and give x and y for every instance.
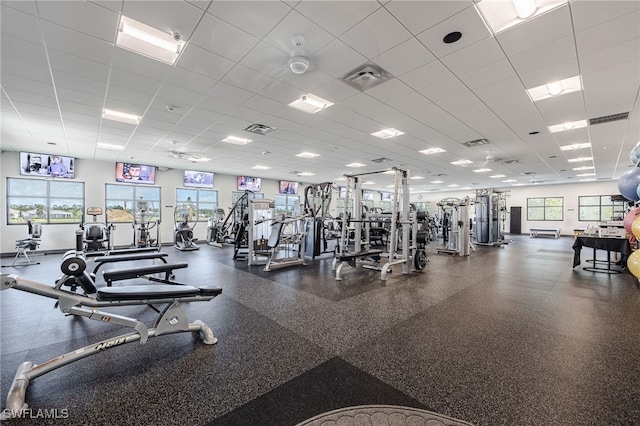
(205, 201)
(287, 204)
(599, 208)
(545, 208)
(121, 202)
(44, 201)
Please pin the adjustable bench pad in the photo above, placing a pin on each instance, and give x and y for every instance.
(127, 257)
(355, 255)
(124, 274)
(160, 291)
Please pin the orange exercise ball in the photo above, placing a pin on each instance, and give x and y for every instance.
(633, 263)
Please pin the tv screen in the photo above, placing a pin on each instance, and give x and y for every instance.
(196, 179)
(385, 196)
(135, 173)
(248, 183)
(49, 165)
(288, 187)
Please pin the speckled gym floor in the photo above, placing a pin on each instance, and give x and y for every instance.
(507, 336)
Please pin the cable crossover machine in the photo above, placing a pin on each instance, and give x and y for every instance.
(405, 245)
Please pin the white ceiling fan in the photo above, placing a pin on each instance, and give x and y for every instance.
(299, 62)
(180, 153)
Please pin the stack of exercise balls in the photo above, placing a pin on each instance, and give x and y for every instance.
(629, 187)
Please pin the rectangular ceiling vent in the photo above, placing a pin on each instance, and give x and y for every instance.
(260, 129)
(476, 142)
(506, 162)
(381, 160)
(608, 118)
(366, 76)
(528, 173)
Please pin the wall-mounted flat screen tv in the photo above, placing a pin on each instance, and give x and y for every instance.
(47, 165)
(135, 173)
(248, 183)
(197, 179)
(288, 187)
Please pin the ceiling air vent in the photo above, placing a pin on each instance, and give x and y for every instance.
(505, 162)
(381, 160)
(528, 173)
(476, 142)
(608, 118)
(366, 76)
(260, 129)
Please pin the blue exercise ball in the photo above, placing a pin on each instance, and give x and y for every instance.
(635, 154)
(628, 184)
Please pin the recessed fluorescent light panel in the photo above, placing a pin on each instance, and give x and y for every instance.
(122, 117)
(461, 162)
(585, 174)
(497, 176)
(583, 168)
(555, 88)
(356, 165)
(236, 140)
(110, 146)
(509, 180)
(575, 146)
(437, 181)
(431, 151)
(482, 170)
(416, 177)
(310, 103)
(579, 159)
(570, 125)
(453, 185)
(148, 41)
(387, 133)
(305, 174)
(307, 155)
(261, 167)
(501, 15)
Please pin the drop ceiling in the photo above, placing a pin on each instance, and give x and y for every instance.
(61, 68)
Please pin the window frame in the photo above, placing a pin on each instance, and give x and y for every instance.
(198, 202)
(156, 204)
(73, 187)
(546, 207)
(615, 206)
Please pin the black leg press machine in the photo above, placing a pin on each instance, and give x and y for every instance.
(171, 319)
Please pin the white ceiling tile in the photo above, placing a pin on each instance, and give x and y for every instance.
(538, 31)
(248, 79)
(376, 34)
(178, 96)
(20, 5)
(337, 59)
(14, 67)
(19, 25)
(618, 54)
(589, 13)
(213, 34)
(611, 98)
(229, 93)
(417, 16)
(84, 17)
(468, 22)
(307, 82)
(553, 72)
(314, 37)
(478, 55)
(198, 60)
(443, 89)
(488, 75)
(69, 41)
(267, 59)
(609, 33)
(560, 50)
(336, 91)
(427, 75)
(202, 4)
(76, 65)
(255, 17)
(405, 57)
(23, 51)
(189, 80)
(337, 17)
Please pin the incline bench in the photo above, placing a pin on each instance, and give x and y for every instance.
(126, 274)
(128, 257)
(555, 232)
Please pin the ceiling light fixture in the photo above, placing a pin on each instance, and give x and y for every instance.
(148, 41)
(431, 151)
(299, 64)
(305, 174)
(583, 168)
(575, 146)
(387, 133)
(310, 103)
(570, 125)
(236, 140)
(356, 165)
(579, 159)
(261, 167)
(499, 16)
(461, 162)
(482, 170)
(122, 117)
(556, 88)
(307, 155)
(111, 146)
(497, 176)
(525, 8)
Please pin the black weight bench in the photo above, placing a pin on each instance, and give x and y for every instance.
(128, 274)
(351, 258)
(171, 319)
(128, 257)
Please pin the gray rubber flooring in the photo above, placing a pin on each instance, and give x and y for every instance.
(509, 335)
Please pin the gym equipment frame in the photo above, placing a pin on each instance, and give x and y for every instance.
(171, 319)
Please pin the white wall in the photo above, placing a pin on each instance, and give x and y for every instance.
(95, 174)
(517, 196)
